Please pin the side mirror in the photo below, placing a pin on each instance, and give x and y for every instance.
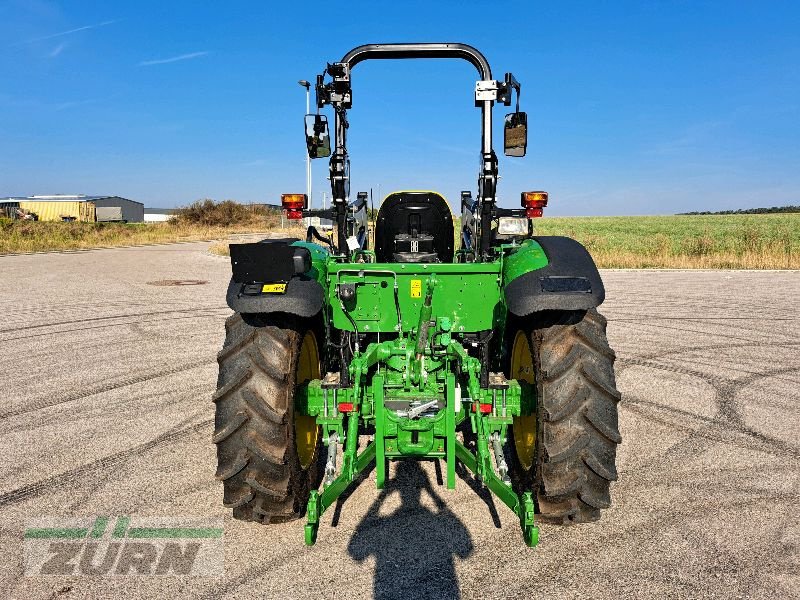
(318, 140)
(515, 134)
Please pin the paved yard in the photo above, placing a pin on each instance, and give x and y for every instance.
(106, 383)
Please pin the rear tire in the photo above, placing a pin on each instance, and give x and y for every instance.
(576, 423)
(255, 426)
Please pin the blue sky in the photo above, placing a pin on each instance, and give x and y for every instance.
(633, 107)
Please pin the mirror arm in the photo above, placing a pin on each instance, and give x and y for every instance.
(509, 84)
(319, 88)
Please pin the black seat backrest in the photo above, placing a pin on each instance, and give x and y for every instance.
(407, 216)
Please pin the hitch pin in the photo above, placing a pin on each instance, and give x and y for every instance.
(413, 413)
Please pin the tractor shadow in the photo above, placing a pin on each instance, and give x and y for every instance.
(415, 546)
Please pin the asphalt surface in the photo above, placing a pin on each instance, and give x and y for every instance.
(106, 383)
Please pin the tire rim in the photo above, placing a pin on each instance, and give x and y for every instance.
(306, 431)
(524, 427)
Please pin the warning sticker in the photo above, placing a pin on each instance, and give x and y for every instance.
(274, 288)
(416, 288)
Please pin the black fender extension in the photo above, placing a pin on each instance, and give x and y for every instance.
(303, 297)
(570, 281)
(274, 262)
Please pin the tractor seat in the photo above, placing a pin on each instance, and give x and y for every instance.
(414, 227)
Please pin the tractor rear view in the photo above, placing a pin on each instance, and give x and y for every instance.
(348, 351)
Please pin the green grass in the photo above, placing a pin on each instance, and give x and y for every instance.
(768, 241)
(30, 236)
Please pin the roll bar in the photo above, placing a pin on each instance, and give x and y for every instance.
(379, 51)
(338, 94)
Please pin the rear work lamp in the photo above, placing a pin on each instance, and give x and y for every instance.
(294, 204)
(534, 203)
(512, 226)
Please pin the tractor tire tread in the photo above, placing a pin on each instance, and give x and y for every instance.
(578, 429)
(254, 434)
(580, 424)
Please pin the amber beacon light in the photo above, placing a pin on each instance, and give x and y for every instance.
(534, 203)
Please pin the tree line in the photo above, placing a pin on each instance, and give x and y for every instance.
(748, 211)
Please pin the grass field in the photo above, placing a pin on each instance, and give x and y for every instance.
(28, 236)
(770, 241)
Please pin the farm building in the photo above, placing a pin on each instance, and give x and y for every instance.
(8, 208)
(78, 207)
(154, 215)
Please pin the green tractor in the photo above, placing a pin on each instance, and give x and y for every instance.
(351, 352)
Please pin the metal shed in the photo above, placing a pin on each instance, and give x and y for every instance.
(58, 210)
(79, 207)
(132, 211)
(8, 209)
(156, 215)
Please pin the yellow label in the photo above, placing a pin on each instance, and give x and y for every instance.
(274, 288)
(416, 288)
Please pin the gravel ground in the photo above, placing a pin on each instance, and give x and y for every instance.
(106, 382)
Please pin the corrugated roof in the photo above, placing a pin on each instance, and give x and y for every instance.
(61, 198)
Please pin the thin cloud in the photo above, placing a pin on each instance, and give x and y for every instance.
(85, 101)
(57, 50)
(67, 32)
(172, 59)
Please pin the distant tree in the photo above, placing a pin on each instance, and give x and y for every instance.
(748, 211)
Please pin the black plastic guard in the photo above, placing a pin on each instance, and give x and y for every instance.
(570, 281)
(303, 297)
(273, 261)
(267, 261)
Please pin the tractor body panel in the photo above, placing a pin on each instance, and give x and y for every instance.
(467, 294)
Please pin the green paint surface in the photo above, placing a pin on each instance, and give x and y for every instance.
(120, 527)
(100, 524)
(174, 532)
(319, 258)
(120, 530)
(529, 257)
(56, 533)
(467, 294)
